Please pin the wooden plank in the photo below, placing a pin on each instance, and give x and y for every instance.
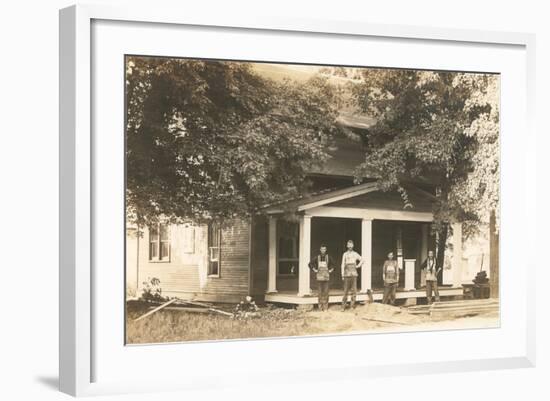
(489, 308)
(455, 303)
(461, 313)
(466, 301)
(211, 296)
(384, 321)
(456, 307)
(196, 303)
(207, 307)
(187, 309)
(220, 312)
(465, 307)
(164, 305)
(202, 308)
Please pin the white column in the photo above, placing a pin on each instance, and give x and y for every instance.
(272, 254)
(457, 254)
(305, 254)
(423, 252)
(366, 254)
(409, 274)
(447, 273)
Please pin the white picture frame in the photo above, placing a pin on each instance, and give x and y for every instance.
(78, 209)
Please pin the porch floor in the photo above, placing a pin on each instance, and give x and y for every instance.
(335, 295)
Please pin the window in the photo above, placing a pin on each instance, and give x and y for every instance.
(214, 244)
(159, 243)
(287, 247)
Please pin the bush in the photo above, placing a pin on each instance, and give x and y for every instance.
(152, 292)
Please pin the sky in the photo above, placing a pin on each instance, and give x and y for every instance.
(279, 71)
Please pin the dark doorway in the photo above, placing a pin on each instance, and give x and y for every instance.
(403, 238)
(334, 233)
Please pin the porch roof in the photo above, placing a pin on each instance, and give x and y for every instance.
(323, 196)
(346, 196)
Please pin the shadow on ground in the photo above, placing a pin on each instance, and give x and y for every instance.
(52, 382)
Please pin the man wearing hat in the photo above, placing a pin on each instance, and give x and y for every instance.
(351, 261)
(431, 271)
(322, 266)
(390, 276)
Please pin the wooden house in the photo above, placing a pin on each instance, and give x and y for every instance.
(267, 256)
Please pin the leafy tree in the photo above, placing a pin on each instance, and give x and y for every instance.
(210, 139)
(479, 193)
(439, 126)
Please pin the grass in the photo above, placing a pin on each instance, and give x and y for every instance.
(175, 326)
(178, 326)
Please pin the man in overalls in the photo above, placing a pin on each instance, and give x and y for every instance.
(431, 271)
(351, 261)
(390, 275)
(322, 266)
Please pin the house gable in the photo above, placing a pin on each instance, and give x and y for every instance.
(363, 196)
(420, 202)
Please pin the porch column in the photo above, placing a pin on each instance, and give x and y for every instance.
(366, 254)
(446, 273)
(305, 254)
(272, 255)
(409, 274)
(423, 252)
(457, 255)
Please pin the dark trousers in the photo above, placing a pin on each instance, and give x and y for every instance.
(350, 286)
(323, 294)
(432, 284)
(389, 293)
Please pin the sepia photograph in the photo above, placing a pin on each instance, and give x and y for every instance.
(268, 200)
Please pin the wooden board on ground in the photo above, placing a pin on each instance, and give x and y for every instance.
(197, 307)
(206, 306)
(186, 309)
(384, 321)
(164, 305)
(195, 303)
(450, 309)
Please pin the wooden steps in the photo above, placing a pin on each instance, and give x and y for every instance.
(454, 309)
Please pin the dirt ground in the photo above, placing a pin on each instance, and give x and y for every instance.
(177, 326)
(377, 317)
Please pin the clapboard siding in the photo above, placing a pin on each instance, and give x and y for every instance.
(173, 277)
(186, 273)
(182, 271)
(234, 261)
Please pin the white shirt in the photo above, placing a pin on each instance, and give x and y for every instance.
(351, 258)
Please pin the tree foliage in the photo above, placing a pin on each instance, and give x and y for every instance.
(209, 139)
(479, 191)
(438, 126)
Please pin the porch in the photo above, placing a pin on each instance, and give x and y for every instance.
(335, 295)
(377, 224)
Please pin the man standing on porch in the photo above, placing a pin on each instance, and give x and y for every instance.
(322, 266)
(351, 261)
(431, 270)
(390, 275)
